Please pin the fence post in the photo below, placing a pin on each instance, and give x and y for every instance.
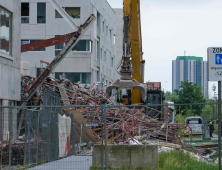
(37, 139)
(106, 166)
(102, 132)
(10, 136)
(25, 115)
(28, 119)
(80, 137)
(2, 129)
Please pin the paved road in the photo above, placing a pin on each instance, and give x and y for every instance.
(70, 163)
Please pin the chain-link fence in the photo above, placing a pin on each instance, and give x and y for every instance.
(46, 137)
(98, 137)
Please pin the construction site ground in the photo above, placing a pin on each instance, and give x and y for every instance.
(176, 160)
(72, 162)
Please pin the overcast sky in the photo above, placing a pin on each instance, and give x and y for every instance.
(170, 27)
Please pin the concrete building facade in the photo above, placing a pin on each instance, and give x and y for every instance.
(92, 60)
(119, 36)
(10, 61)
(192, 69)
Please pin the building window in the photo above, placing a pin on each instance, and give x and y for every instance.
(83, 45)
(25, 13)
(84, 78)
(39, 71)
(58, 47)
(73, 12)
(110, 34)
(5, 31)
(104, 56)
(23, 42)
(101, 54)
(103, 26)
(41, 13)
(112, 61)
(106, 30)
(114, 39)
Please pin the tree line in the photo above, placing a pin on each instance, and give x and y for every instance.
(189, 93)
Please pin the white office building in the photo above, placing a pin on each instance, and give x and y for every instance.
(92, 60)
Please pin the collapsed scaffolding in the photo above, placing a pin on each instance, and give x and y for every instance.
(122, 123)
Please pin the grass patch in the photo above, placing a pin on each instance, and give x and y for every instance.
(198, 141)
(176, 160)
(32, 165)
(216, 129)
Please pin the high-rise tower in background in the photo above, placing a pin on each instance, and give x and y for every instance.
(192, 69)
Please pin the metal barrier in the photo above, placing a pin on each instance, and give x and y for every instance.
(63, 137)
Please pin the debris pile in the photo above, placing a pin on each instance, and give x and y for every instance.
(122, 123)
(17, 152)
(70, 93)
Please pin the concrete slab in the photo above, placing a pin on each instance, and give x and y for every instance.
(72, 162)
(127, 156)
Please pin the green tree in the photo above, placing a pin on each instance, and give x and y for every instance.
(170, 96)
(190, 93)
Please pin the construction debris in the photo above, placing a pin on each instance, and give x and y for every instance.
(70, 93)
(17, 152)
(122, 123)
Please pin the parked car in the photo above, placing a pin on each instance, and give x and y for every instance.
(196, 124)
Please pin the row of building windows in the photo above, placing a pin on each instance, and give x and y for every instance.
(41, 13)
(103, 57)
(82, 45)
(73, 12)
(5, 31)
(110, 32)
(84, 78)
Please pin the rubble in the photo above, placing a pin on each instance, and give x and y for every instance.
(70, 93)
(122, 123)
(17, 151)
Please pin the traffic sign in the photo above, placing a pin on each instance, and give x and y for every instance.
(214, 56)
(91, 124)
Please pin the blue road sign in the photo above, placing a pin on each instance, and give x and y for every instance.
(91, 124)
(218, 58)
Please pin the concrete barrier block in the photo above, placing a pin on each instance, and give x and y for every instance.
(127, 156)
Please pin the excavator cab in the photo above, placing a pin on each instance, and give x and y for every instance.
(155, 98)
